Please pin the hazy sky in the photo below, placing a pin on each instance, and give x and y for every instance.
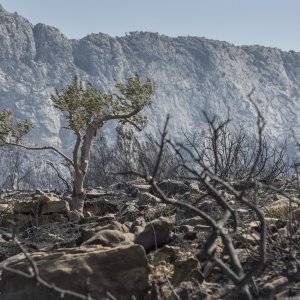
(274, 23)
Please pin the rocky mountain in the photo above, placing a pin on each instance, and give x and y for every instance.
(191, 74)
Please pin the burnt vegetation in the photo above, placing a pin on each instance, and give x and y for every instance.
(217, 214)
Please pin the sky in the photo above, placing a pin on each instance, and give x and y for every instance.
(273, 23)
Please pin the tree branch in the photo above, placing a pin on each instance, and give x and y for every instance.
(40, 149)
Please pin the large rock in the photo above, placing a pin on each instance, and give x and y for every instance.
(122, 272)
(154, 235)
(193, 221)
(110, 238)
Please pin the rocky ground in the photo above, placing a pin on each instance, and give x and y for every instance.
(130, 245)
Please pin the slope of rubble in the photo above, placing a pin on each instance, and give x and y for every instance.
(130, 244)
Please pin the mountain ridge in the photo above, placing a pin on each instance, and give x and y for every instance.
(191, 74)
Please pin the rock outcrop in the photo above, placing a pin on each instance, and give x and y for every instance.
(144, 250)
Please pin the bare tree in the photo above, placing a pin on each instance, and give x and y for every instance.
(108, 159)
(235, 155)
(226, 225)
(102, 165)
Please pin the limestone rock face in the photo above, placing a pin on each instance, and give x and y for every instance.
(123, 272)
(16, 37)
(191, 75)
(52, 47)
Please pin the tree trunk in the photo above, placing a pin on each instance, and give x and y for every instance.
(78, 193)
(81, 168)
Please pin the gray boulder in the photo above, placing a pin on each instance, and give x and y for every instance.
(154, 235)
(122, 272)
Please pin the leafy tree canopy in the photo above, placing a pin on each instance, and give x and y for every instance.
(82, 103)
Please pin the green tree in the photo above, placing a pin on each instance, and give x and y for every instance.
(12, 129)
(86, 110)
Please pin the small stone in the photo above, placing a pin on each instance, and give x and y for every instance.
(203, 229)
(5, 209)
(140, 221)
(148, 199)
(167, 253)
(194, 188)
(183, 270)
(269, 287)
(39, 192)
(296, 214)
(191, 235)
(61, 206)
(243, 254)
(193, 221)
(251, 238)
(185, 228)
(74, 216)
(283, 232)
(106, 219)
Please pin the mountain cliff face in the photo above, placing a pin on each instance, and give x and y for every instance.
(191, 75)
